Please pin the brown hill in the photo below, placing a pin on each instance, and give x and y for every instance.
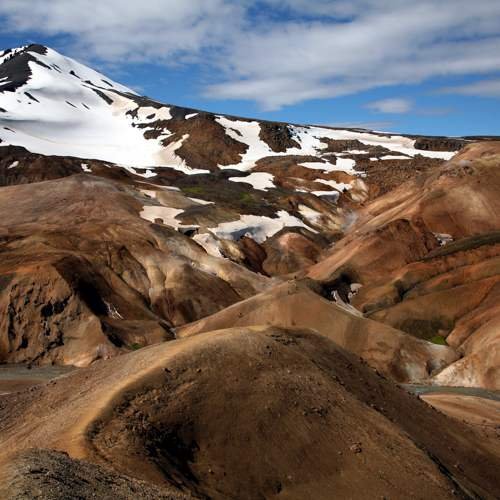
(294, 304)
(427, 256)
(84, 277)
(248, 413)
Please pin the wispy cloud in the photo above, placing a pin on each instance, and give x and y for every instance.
(279, 52)
(483, 88)
(391, 106)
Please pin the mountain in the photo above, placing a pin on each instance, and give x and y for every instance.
(235, 304)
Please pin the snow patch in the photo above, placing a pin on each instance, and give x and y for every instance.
(148, 113)
(201, 202)
(259, 180)
(394, 157)
(355, 287)
(209, 243)
(258, 227)
(166, 214)
(247, 133)
(308, 213)
(443, 238)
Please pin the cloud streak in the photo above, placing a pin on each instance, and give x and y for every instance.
(280, 53)
(483, 88)
(391, 106)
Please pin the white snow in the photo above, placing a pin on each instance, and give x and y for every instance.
(355, 287)
(4, 55)
(191, 115)
(165, 214)
(53, 127)
(352, 152)
(259, 180)
(71, 119)
(443, 238)
(342, 165)
(394, 157)
(112, 311)
(258, 227)
(147, 174)
(85, 167)
(145, 112)
(332, 194)
(246, 132)
(345, 165)
(102, 131)
(14, 164)
(340, 303)
(201, 202)
(209, 243)
(340, 186)
(310, 214)
(309, 138)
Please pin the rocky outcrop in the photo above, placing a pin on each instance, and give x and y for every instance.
(439, 144)
(53, 474)
(291, 251)
(385, 175)
(277, 136)
(339, 145)
(208, 145)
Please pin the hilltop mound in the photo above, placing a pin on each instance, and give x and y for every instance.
(294, 304)
(251, 413)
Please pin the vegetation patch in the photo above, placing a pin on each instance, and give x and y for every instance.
(193, 189)
(437, 339)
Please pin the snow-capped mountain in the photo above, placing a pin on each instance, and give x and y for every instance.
(193, 211)
(51, 104)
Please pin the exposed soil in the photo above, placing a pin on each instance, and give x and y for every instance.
(313, 420)
(278, 136)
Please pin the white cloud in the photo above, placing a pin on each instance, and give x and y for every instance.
(121, 30)
(384, 43)
(257, 51)
(483, 88)
(392, 106)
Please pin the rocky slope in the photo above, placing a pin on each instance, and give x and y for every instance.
(427, 257)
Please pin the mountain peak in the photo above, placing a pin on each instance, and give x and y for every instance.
(52, 104)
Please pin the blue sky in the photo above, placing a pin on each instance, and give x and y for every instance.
(429, 67)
